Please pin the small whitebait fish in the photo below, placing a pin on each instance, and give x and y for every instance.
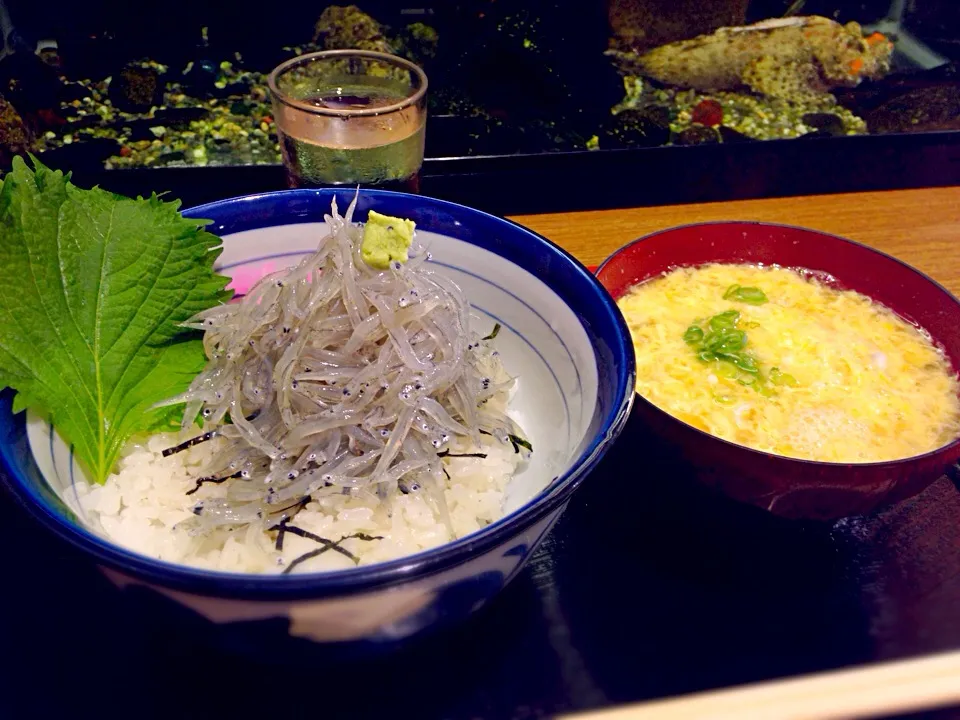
(337, 377)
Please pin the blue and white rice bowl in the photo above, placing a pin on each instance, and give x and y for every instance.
(562, 336)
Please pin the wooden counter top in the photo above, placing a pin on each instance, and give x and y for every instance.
(921, 227)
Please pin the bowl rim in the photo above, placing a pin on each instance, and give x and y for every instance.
(815, 465)
(404, 569)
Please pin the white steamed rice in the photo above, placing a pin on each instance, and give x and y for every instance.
(140, 506)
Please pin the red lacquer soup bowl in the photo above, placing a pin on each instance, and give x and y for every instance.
(786, 486)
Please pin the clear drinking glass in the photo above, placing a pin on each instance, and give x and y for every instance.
(350, 117)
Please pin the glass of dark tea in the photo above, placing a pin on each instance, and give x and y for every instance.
(350, 117)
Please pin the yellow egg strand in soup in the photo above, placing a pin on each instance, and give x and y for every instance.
(831, 375)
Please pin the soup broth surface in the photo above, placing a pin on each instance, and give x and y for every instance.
(773, 359)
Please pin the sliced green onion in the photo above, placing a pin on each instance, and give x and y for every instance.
(749, 295)
(493, 333)
(725, 320)
(518, 442)
(693, 335)
(725, 342)
(723, 346)
(781, 378)
(745, 363)
(727, 369)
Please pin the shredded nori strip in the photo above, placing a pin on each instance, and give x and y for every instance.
(494, 333)
(213, 480)
(187, 444)
(515, 440)
(281, 528)
(327, 545)
(299, 505)
(304, 558)
(446, 473)
(285, 527)
(518, 442)
(447, 453)
(485, 432)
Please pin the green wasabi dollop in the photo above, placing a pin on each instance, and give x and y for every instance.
(386, 239)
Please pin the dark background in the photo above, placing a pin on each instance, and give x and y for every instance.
(567, 83)
(562, 81)
(162, 31)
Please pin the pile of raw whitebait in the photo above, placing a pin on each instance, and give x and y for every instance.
(333, 377)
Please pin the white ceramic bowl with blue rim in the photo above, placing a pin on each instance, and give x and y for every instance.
(562, 335)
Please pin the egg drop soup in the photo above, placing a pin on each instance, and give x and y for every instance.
(770, 358)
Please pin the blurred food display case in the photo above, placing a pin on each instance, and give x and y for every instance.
(533, 105)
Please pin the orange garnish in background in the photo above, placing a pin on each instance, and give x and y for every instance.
(875, 38)
(856, 65)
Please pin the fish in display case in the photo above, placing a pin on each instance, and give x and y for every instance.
(100, 88)
(769, 79)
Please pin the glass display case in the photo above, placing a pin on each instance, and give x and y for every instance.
(665, 100)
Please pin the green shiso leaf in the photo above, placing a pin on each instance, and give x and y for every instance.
(93, 288)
